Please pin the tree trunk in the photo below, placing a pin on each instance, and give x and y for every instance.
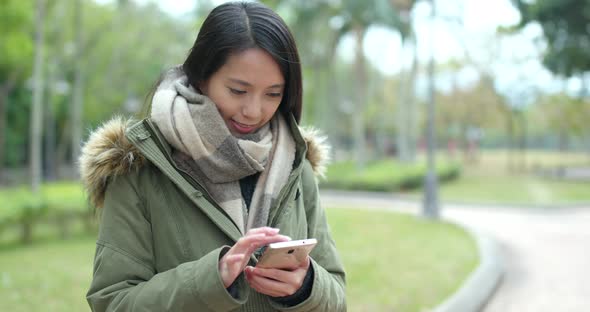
(401, 137)
(5, 90)
(358, 111)
(37, 107)
(563, 140)
(27, 231)
(410, 104)
(510, 145)
(78, 95)
(49, 121)
(55, 74)
(3, 98)
(522, 143)
(430, 208)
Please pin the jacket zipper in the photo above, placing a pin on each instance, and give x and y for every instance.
(282, 206)
(186, 175)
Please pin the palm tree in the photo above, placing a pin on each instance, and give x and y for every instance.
(37, 107)
(355, 17)
(78, 88)
(359, 16)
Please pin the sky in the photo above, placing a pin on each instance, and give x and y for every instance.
(460, 26)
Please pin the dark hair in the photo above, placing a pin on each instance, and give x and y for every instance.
(237, 26)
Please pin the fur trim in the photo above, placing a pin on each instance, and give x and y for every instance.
(318, 150)
(106, 154)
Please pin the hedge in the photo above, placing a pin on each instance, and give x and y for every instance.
(384, 176)
(58, 203)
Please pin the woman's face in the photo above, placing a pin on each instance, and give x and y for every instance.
(247, 90)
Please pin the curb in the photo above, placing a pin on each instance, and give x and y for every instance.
(479, 287)
(475, 291)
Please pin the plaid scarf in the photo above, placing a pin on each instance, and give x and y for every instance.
(206, 149)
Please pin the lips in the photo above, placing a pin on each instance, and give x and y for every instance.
(242, 128)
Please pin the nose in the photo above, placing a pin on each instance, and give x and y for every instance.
(252, 108)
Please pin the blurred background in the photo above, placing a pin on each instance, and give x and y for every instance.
(497, 91)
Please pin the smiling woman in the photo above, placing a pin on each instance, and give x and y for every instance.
(247, 90)
(191, 193)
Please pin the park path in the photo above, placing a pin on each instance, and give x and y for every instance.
(546, 252)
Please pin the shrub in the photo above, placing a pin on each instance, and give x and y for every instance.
(385, 176)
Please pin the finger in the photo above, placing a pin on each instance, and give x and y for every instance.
(263, 230)
(248, 244)
(270, 287)
(261, 237)
(254, 282)
(233, 261)
(230, 267)
(305, 265)
(244, 242)
(235, 258)
(293, 278)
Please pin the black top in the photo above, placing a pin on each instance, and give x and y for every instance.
(247, 186)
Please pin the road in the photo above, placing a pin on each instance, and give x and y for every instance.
(546, 252)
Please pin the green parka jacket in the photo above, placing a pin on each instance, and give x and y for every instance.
(161, 236)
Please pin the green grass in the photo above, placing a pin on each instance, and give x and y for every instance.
(490, 180)
(50, 276)
(397, 262)
(515, 189)
(394, 263)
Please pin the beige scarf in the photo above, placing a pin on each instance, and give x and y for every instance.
(191, 123)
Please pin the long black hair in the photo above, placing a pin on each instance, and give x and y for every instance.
(234, 27)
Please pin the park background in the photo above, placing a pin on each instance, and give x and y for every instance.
(493, 96)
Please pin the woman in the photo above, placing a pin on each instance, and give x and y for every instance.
(189, 195)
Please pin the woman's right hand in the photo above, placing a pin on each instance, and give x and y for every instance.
(236, 259)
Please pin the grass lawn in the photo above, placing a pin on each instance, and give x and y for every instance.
(51, 276)
(394, 263)
(491, 181)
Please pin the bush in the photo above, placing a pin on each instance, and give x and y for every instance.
(385, 176)
(58, 204)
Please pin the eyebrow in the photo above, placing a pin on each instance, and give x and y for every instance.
(247, 84)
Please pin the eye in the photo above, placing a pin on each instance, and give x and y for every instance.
(236, 91)
(274, 94)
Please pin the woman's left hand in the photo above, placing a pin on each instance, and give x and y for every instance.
(277, 282)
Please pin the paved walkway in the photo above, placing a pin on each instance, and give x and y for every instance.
(546, 252)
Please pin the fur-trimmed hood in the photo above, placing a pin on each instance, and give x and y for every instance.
(108, 153)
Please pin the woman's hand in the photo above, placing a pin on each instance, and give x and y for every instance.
(234, 261)
(277, 282)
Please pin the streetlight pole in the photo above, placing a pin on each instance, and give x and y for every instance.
(430, 208)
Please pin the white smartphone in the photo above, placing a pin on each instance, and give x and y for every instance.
(286, 255)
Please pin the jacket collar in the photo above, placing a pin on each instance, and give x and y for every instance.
(121, 146)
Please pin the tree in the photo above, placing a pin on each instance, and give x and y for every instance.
(464, 110)
(563, 115)
(78, 90)
(37, 108)
(16, 52)
(348, 17)
(359, 15)
(565, 25)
